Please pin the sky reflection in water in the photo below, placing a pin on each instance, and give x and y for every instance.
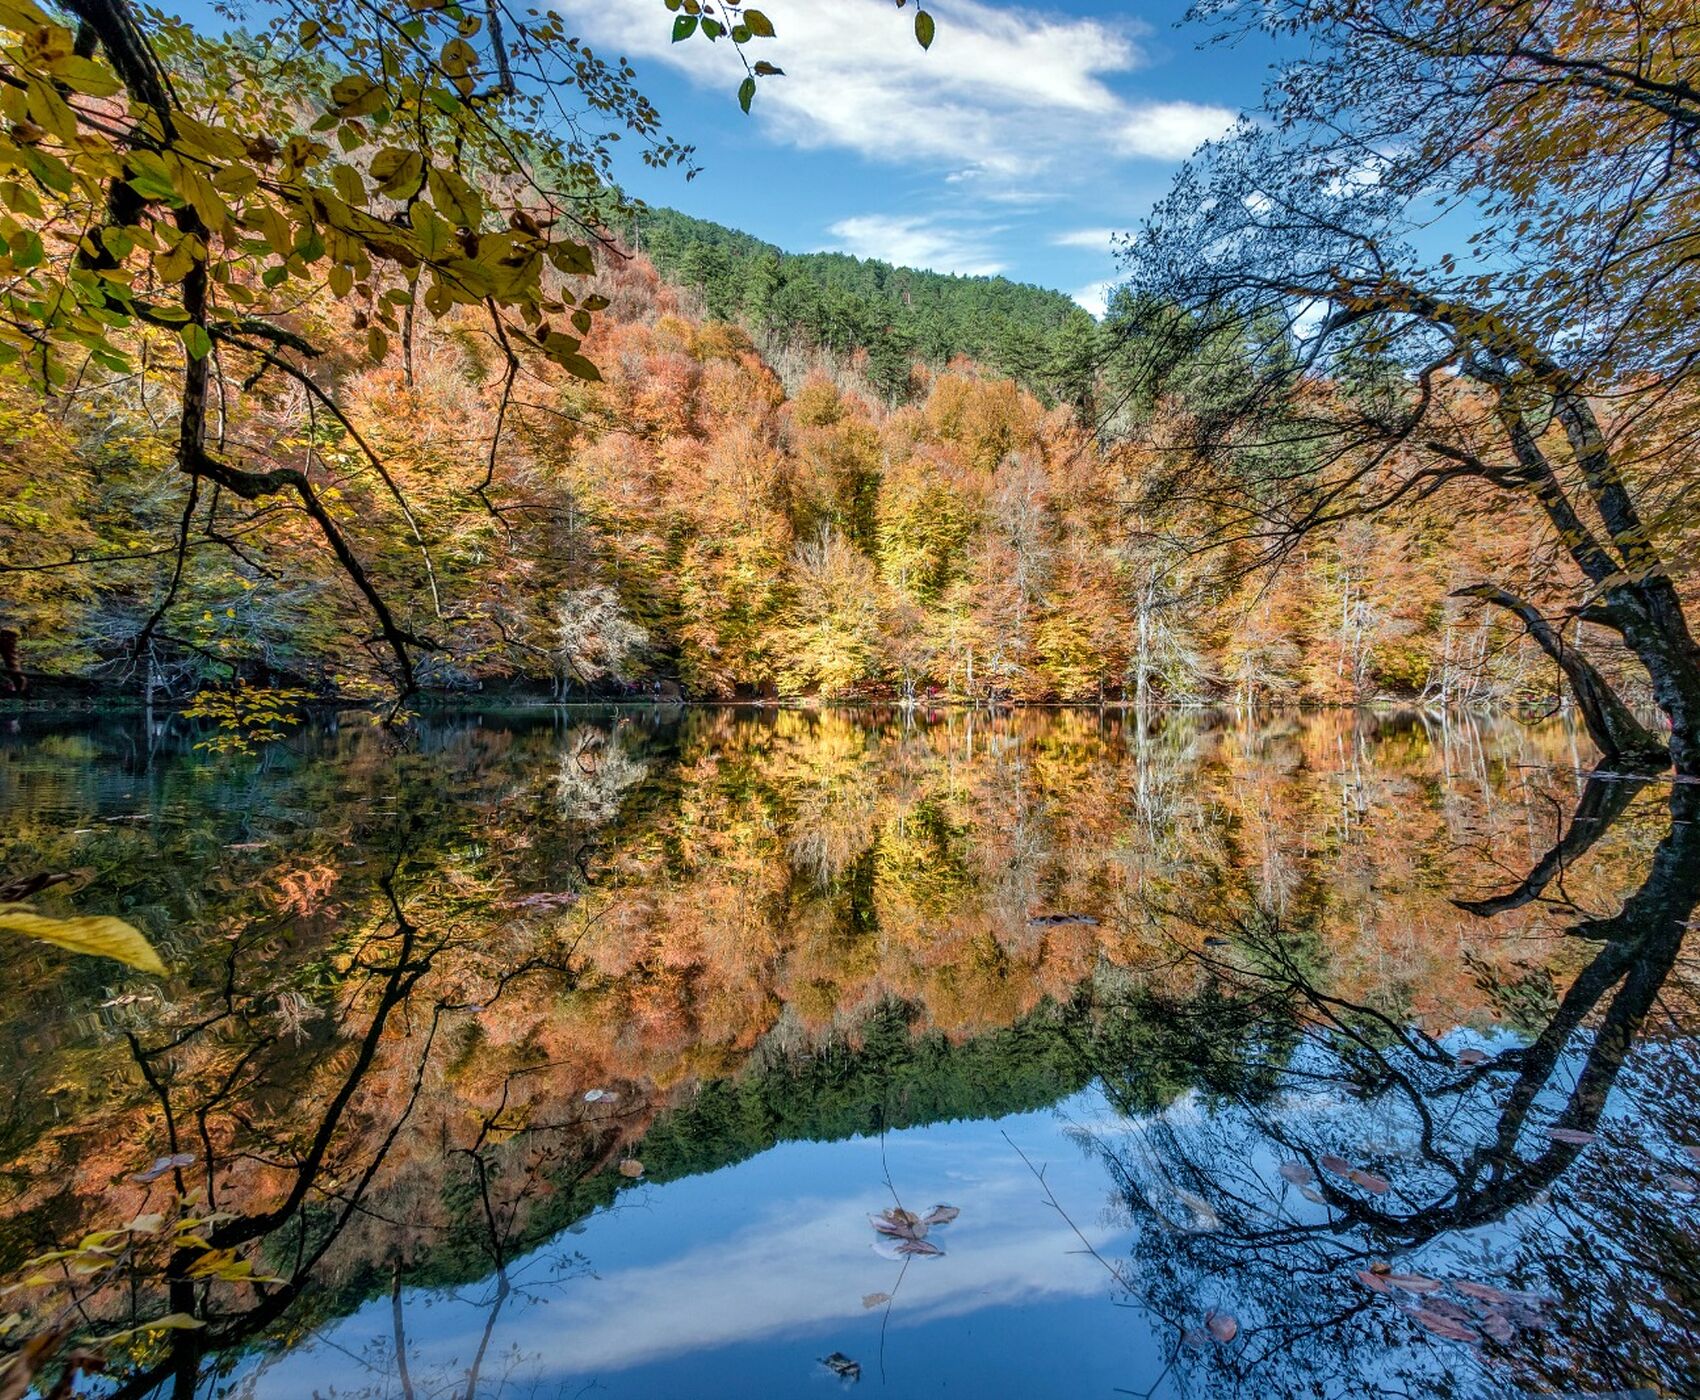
(1151, 963)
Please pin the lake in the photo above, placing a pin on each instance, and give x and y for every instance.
(714, 1052)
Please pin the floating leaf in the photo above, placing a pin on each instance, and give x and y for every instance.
(1486, 1292)
(1413, 1283)
(631, 1168)
(161, 1166)
(1368, 1180)
(1575, 1137)
(1297, 1173)
(1498, 1326)
(1338, 1165)
(1376, 1283)
(842, 1366)
(1224, 1327)
(873, 1300)
(1443, 1326)
(940, 1215)
(1680, 1182)
(99, 935)
(925, 1249)
(1466, 1058)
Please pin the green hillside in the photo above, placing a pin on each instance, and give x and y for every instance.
(896, 314)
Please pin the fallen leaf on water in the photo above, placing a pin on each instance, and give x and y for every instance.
(632, 1168)
(1573, 1136)
(842, 1366)
(1680, 1182)
(922, 1248)
(1693, 1151)
(873, 1300)
(1368, 1180)
(1338, 1165)
(1498, 1326)
(903, 1224)
(940, 1215)
(1470, 1057)
(1310, 1193)
(99, 935)
(1414, 1283)
(1297, 1173)
(161, 1166)
(1443, 1326)
(1484, 1291)
(1376, 1283)
(1224, 1327)
(888, 1247)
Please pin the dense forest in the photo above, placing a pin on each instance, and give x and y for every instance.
(739, 523)
(894, 316)
(352, 419)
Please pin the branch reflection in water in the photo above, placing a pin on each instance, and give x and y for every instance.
(425, 1001)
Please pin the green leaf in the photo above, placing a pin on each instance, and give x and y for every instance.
(196, 340)
(769, 70)
(746, 93)
(923, 29)
(683, 27)
(759, 24)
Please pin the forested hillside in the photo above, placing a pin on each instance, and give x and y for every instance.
(895, 315)
(694, 518)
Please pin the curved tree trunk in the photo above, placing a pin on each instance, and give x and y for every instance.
(1621, 738)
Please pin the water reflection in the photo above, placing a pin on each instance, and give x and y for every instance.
(427, 1001)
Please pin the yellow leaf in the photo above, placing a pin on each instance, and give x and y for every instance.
(99, 935)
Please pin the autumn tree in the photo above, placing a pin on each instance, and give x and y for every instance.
(173, 198)
(1548, 358)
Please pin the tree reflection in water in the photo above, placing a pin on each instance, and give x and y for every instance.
(1351, 1188)
(424, 1001)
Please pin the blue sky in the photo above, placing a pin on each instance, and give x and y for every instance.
(1017, 144)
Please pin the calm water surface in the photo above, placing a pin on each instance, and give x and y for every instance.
(560, 1053)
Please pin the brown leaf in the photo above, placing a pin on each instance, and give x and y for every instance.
(1486, 1292)
(1443, 1326)
(632, 1168)
(1368, 1180)
(1680, 1182)
(1224, 1327)
(1338, 1165)
(1575, 1137)
(1376, 1283)
(1414, 1283)
(922, 1248)
(1466, 1058)
(1498, 1326)
(940, 1215)
(1297, 1173)
(873, 1300)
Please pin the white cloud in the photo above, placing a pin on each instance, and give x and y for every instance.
(1004, 91)
(1095, 296)
(916, 242)
(1173, 130)
(1097, 239)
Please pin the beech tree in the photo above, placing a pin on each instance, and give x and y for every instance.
(1340, 367)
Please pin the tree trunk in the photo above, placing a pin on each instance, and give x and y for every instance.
(1621, 738)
